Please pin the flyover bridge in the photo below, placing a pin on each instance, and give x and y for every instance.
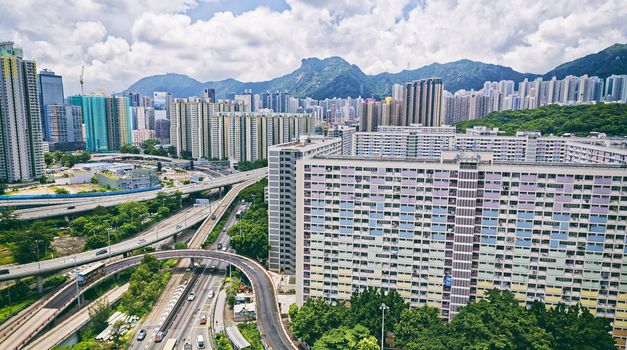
(91, 203)
(268, 315)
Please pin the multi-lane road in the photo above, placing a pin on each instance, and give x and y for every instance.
(268, 317)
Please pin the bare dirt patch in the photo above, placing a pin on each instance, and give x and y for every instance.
(69, 245)
(50, 189)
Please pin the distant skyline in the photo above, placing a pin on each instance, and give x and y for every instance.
(122, 41)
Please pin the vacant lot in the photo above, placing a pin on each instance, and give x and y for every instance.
(50, 189)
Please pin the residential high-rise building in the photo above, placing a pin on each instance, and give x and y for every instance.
(162, 131)
(50, 93)
(282, 196)
(143, 118)
(119, 128)
(397, 92)
(65, 127)
(94, 112)
(443, 231)
(225, 130)
(210, 95)
(107, 121)
(422, 102)
(21, 155)
(346, 134)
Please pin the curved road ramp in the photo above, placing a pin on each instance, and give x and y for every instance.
(268, 317)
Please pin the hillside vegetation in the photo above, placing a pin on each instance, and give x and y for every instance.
(579, 120)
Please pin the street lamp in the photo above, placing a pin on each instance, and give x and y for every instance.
(383, 307)
(78, 296)
(37, 247)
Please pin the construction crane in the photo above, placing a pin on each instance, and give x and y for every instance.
(81, 81)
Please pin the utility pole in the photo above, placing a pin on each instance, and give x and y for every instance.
(37, 247)
(78, 296)
(383, 308)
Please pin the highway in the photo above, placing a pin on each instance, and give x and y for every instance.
(186, 322)
(168, 228)
(268, 317)
(69, 326)
(71, 208)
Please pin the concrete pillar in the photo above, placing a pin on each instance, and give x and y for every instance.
(40, 285)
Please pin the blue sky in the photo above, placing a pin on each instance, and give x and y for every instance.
(120, 41)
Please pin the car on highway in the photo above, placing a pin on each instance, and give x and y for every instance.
(159, 336)
(191, 296)
(102, 251)
(203, 319)
(200, 341)
(211, 294)
(141, 241)
(213, 217)
(71, 207)
(219, 246)
(178, 226)
(224, 249)
(141, 335)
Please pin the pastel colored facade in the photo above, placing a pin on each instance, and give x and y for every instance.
(21, 156)
(282, 195)
(442, 231)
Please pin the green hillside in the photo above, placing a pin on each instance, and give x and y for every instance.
(579, 120)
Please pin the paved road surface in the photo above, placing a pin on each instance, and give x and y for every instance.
(68, 327)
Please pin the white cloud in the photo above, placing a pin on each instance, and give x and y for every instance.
(122, 41)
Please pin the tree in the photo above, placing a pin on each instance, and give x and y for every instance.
(172, 151)
(573, 327)
(497, 322)
(250, 239)
(99, 313)
(128, 148)
(345, 338)
(366, 309)
(609, 118)
(28, 243)
(8, 218)
(315, 318)
(421, 329)
(3, 187)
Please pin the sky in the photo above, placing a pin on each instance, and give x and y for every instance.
(121, 41)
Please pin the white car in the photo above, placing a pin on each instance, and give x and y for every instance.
(191, 296)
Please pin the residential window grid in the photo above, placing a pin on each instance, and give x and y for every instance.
(555, 234)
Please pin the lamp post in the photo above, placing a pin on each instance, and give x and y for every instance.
(383, 307)
(37, 248)
(78, 296)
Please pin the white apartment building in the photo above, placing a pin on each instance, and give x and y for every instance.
(442, 231)
(421, 142)
(282, 195)
(346, 134)
(219, 130)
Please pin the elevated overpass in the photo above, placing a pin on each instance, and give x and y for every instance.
(71, 208)
(268, 315)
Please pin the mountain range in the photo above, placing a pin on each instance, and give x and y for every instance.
(334, 77)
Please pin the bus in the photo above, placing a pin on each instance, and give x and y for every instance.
(91, 273)
(170, 344)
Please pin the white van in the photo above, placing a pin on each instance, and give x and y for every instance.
(200, 341)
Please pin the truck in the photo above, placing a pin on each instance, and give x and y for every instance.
(170, 344)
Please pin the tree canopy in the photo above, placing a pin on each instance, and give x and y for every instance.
(496, 322)
(609, 118)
